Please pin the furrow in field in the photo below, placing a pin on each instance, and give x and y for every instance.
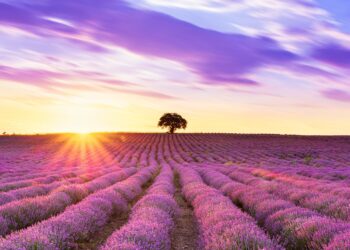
(222, 225)
(152, 219)
(115, 222)
(329, 187)
(49, 178)
(20, 214)
(62, 165)
(323, 203)
(185, 233)
(40, 175)
(44, 189)
(333, 174)
(296, 227)
(79, 222)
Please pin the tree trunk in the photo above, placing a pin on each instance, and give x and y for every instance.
(172, 130)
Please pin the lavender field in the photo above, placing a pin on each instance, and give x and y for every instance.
(181, 191)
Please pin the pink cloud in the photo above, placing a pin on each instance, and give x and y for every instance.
(337, 94)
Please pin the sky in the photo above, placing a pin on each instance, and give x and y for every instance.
(241, 66)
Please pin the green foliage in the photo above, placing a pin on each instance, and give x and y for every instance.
(228, 163)
(172, 121)
(308, 159)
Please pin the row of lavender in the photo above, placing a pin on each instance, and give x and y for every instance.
(297, 210)
(296, 227)
(67, 168)
(20, 214)
(26, 201)
(330, 200)
(294, 198)
(222, 225)
(329, 187)
(72, 157)
(264, 151)
(79, 222)
(38, 188)
(35, 197)
(341, 175)
(221, 149)
(152, 219)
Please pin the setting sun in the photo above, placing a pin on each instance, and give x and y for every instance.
(81, 119)
(83, 133)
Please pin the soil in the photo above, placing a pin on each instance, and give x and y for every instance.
(115, 223)
(185, 234)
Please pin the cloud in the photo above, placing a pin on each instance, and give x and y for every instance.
(336, 94)
(41, 78)
(87, 45)
(218, 58)
(117, 82)
(47, 78)
(333, 54)
(313, 71)
(101, 78)
(57, 82)
(225, 5)
(204, 5)
(144, 93)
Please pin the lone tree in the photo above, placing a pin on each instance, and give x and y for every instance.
(173, 121)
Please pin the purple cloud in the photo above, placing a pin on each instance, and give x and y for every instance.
(102, 78)
(28, 18)
(231, 80)
(310, 70)
(305, 3)
(48, 80)
(42, 78)
(144, 93)
(24, 16)
(334, 54)
(219, 58)
(337, 94)
(297, 31)
(16, 16)
(89, 46)
(118, 82)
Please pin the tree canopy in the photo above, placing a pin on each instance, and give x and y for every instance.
(172, 121)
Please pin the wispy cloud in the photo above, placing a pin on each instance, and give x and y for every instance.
(58, 83)
(334, 54)
(337, 94)
(216, 57)
(143, 93)
(37, 77)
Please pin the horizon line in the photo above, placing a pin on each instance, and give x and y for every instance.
(181, 132)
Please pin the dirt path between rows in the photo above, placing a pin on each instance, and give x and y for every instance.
(185, 233)
(115, 223)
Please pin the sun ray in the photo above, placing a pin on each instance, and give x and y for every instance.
(85, 152)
